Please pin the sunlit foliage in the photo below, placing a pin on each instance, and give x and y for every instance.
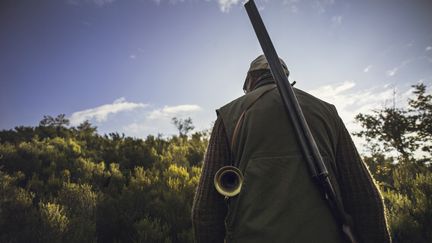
(69, 184)
(405, 178)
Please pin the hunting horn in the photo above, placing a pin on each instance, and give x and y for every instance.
(228, 181)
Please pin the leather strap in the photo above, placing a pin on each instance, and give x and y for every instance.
(260, 92)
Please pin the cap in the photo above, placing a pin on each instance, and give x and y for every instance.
(260, 63)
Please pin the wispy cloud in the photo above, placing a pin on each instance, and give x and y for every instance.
(336, 20)
(333, 90)
(428, 48)
(86, 23)
(350, 102)
(366, 69)
(294, 9)
(158, 120)
(292, 4)
(138, 119)
(322, 5)
(172, 111)
(285, 2)
(225, 5)
(99, 3)
(100, 113)
(393, 71)
(138, 52)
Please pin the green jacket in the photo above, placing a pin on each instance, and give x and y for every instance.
(278, 202)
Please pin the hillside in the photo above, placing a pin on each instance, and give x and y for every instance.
(70, 184)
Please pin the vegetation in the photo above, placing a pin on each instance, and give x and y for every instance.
(405, 177)
(70, 184)
(60, 184)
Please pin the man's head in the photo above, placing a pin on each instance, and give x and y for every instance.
(258, 69)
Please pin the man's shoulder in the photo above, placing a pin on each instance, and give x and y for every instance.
(306, 100)
(246, 99)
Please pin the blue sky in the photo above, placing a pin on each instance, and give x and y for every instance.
(129, 66)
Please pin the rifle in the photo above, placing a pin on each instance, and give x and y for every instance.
(307, 143)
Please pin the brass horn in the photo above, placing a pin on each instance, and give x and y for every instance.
(228, 181)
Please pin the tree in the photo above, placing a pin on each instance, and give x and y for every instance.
(80, 203)
(18, 218)
(404, 130)
(55, 222)
(59, 121)
(391, 127)
(86, 128)
(54, 127)
(184, 126)
(421, 106)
